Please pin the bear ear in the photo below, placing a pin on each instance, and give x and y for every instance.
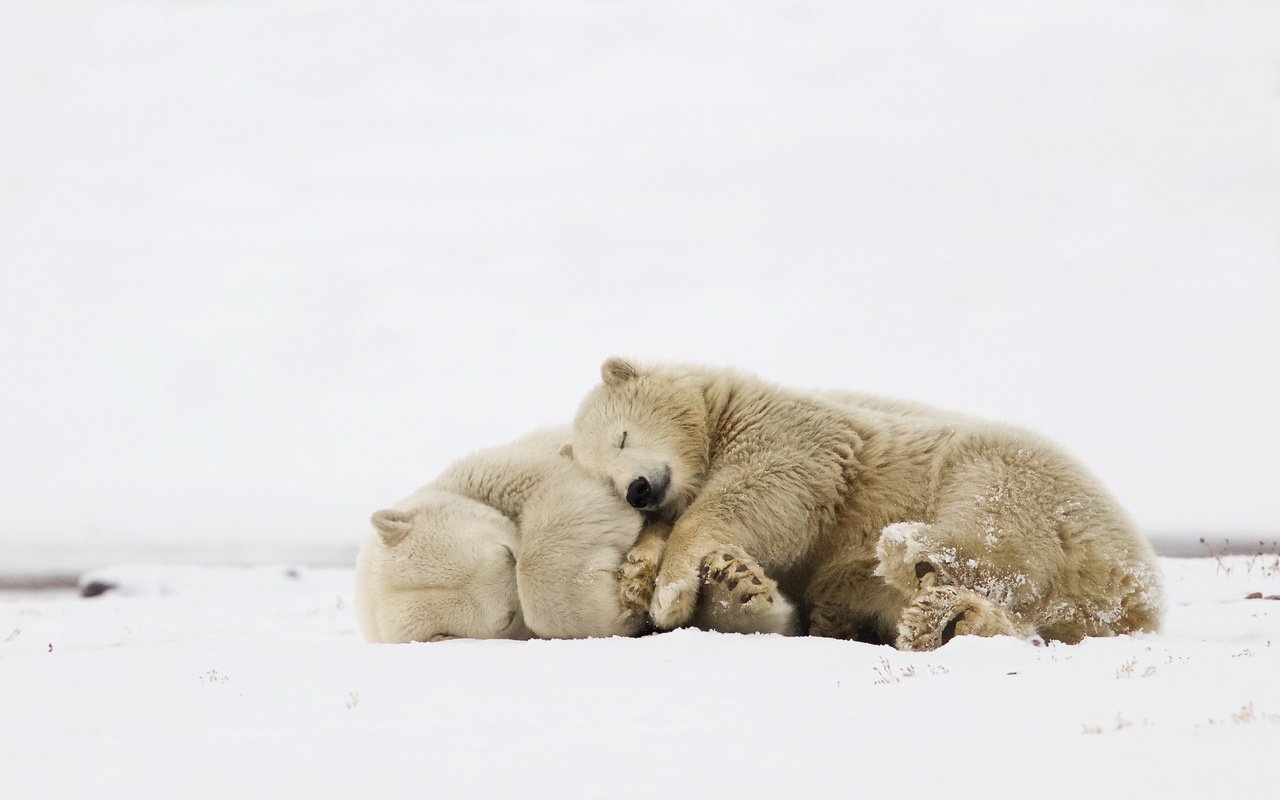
(566, 450)
(618, 370)
(392, 525)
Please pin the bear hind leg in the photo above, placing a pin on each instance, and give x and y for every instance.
(906, 555)
(937, 614)
(944, 587)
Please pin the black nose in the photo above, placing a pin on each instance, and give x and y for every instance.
(639, 493)
(642, 493)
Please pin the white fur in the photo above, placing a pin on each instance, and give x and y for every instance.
(893, 520)
(517, 541)
(450, 574)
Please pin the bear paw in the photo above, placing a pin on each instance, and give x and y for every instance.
(739, 581)
(903, 561)
(741, 577)
(636, 577)
(937, 614)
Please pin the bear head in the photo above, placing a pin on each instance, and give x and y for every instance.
(644, 431)
(440, 566)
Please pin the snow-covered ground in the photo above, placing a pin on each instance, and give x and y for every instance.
(255, 683)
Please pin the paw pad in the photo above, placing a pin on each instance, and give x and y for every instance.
(635, 584)
(949, 631)
(741, 576)
(926, 575)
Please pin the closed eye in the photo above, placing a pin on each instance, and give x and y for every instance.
(622, 444)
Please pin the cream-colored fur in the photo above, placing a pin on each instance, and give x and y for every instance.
(893, 521)
(516, 541)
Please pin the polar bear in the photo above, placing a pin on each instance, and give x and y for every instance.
(514, 542)
(892, 521)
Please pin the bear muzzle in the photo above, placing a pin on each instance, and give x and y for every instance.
(646, 493)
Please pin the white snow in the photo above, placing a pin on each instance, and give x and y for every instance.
(264, 689)
(266, 266)
(902, 533)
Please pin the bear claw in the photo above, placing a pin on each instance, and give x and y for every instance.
(741, 576)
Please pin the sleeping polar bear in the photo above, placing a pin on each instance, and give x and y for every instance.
(890, 521)
(514, 542)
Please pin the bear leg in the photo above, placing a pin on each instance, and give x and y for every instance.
(737, 597)
(639, 570)
(745, 586)
(950, 594)
(847, 600)
(939, 613)
(905, 553)
(740, 575)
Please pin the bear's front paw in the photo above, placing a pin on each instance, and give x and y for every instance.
(937, 614)
(635, 582)
(743, 579)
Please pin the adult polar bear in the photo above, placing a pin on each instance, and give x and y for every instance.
(893, 521)
(515, 541)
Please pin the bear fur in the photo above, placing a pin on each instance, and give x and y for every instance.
(892, 521)
(514, 542)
